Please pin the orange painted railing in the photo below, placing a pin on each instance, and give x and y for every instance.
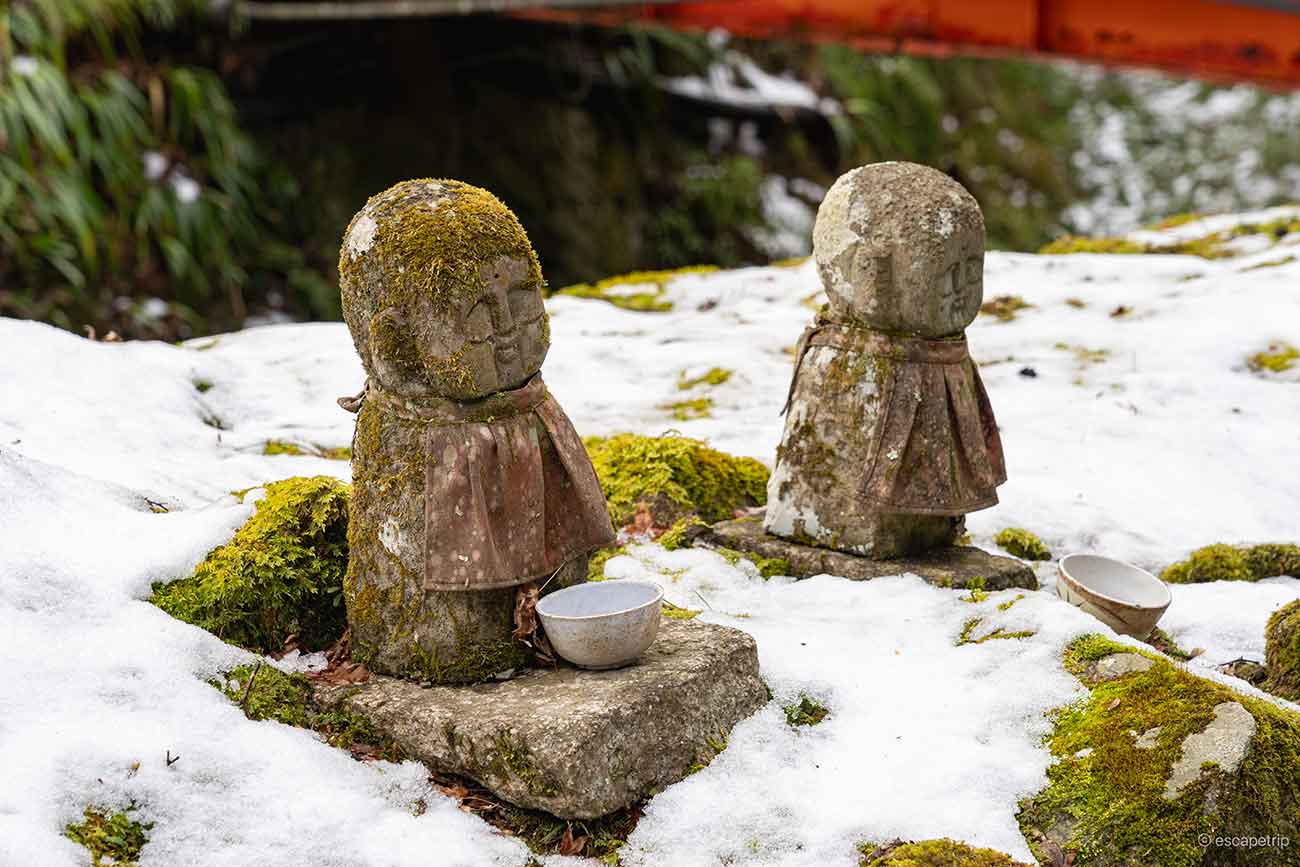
(1245, 40)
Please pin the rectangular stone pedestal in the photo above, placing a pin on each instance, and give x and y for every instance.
(577, 744)
(957, 566)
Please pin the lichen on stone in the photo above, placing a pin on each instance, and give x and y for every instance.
(1019, 542)
(932, 853)
(674, 476)
(281, 575)
(1107, 800)
(1222, 562)
(111, 839)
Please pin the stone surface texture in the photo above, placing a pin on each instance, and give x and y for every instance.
(889, 437)
(468, 479)
(578, 744)
(952, 566)
(1224, 742)
(1118, 665)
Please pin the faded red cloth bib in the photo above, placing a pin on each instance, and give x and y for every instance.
(509, 491)
(936, 450)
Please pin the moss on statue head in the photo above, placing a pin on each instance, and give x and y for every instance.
(676, 475)
(281, 575)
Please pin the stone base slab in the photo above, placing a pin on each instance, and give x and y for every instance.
(958, 566)
(577, 744)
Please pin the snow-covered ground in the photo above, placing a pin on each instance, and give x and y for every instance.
(1142, 436)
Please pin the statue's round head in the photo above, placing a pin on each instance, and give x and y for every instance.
(900, 247)
(442, 292)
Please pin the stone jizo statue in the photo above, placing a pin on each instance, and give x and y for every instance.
(889, 436)
(468, 478)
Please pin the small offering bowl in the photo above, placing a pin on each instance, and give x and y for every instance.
(602, 624)
(1127, 599)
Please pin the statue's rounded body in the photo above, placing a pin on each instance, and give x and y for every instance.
(443, 295)
(899, 249)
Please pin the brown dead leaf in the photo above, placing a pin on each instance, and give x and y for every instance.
(1114, 704)
(571, 845)
(526, 612)
(643, 522)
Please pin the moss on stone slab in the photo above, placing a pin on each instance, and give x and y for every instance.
(805, 712)
(932, 853)
(281, 575)
(1222, 562)
(115, 839)
(1019, 542)
(1115, 751)
(675, 476)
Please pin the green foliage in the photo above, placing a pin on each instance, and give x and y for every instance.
(281, 575)
(805, 712)
(999, 127)
(675, 476)
(122, 175)
(116, 838)
(1220, 562)
(715, 201)
(1021, 543)
(1105, 789)
(932, 853)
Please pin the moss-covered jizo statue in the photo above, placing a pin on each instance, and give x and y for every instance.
(889, 436)
(468, 479)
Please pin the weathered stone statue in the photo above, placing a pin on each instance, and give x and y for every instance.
(889, 436)
(468, 479)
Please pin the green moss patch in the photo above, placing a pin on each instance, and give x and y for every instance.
(642, 291)
(678, 613)
(1114, 751)
(1220, 562)
(1278, 358)
(1004, 307)
(967, 635)
(690, 409)
(1019, 542)
(1282, 652)
(677, 536)
(932, 853)
(714, 376)
(1210, 246)
(674, 476)
(289, 699)
(284, 447)
(805, 712)
(281, 575)
(115, 839)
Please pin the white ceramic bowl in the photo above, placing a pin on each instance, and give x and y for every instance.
(602, 624)
(1127, 599)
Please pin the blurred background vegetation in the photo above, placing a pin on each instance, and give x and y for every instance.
(167, 171)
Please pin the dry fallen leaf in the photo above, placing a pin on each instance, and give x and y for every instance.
(569, 844)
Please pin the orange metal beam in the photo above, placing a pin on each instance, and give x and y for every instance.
(1247, 40)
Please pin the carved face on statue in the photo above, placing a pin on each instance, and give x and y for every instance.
(900, 248)
(458, 310)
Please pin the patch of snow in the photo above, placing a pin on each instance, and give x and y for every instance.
(187, 189)
(24, 65)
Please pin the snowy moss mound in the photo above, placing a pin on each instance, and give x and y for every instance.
(1235, 563)
(1282, 652)
(932, 853)
(674, 476)
(1156, 761)
(281, 575)
(1019, 542)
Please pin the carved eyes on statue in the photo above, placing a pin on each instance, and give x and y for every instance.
(500, 311)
